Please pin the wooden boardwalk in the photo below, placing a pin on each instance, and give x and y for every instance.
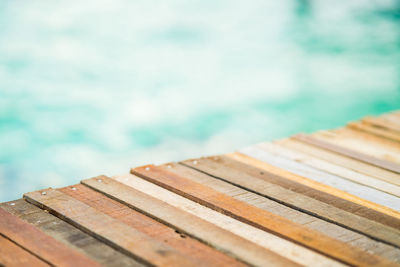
(331, 198)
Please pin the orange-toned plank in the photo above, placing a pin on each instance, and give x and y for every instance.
(186, 245)
(354, 204)
(13, 255)
(259, 218)
(387, 165)
(111, 231)
(40, 244)
(188, 224)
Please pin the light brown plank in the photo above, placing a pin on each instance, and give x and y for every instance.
(12, 255)
(341, 160)
(111, 231)
(295, 171)
(390, 166)
(40, 244)
(332, 230)
(341, 173)
(188, 223)
(269, 241)
(258, 218)
(186, 245)
(317, 203)
(68, 234)
(383, 123)
(378, 131)
(389, 214)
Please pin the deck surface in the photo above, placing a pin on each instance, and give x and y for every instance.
(331, 198)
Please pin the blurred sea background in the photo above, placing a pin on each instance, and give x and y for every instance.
(97, 87)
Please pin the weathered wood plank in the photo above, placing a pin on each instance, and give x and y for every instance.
(301, 169)
(186, 245)
(296, 216)
(12, 255)
(188, 224)
(258, 218)
(294, 195)
(365, 143)
(329, 188)
(68, 234)
(271, 242)
(341, 160)
(109, 230)
(38, 243)
(331, 168)
(376, 130)
(382, 123)
(387, 165)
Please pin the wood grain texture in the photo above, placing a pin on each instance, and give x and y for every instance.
(341, 150)
(14, 256)
(296, 216)
(296, 169)
(343, 161)
(375, 130)
(189, 224)
(362, 142)
(258, 218)
(186, 245)
(109, 230)
(323, 187)
(68, 234)
(271, 242)
(328, 167)
(303, 170)
(295, 195)
(40, 244)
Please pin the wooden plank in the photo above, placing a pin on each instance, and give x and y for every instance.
(188, 223)
(12, 255)
(109, 230)
(323, 187)
(390, 166)
(373, 129)
(258, 218)
(271, 242)
(294, 195)
(68, 234)
(186, 245)
(39, 244)
(301, 169)
(296, 216)
(331, 168)
(382, 123)
(365, 143)
(296, 173)
(341, 160)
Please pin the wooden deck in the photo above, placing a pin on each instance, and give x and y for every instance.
(331, 198)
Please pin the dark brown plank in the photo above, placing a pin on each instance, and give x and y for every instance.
(68, 234)
(294, 195)
(258, 218)
(188, 224)
(12, 255)
(111, 231)
(348, 152)
(40, 244)
(186, 245)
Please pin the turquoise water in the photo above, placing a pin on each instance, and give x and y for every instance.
(97, 87)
